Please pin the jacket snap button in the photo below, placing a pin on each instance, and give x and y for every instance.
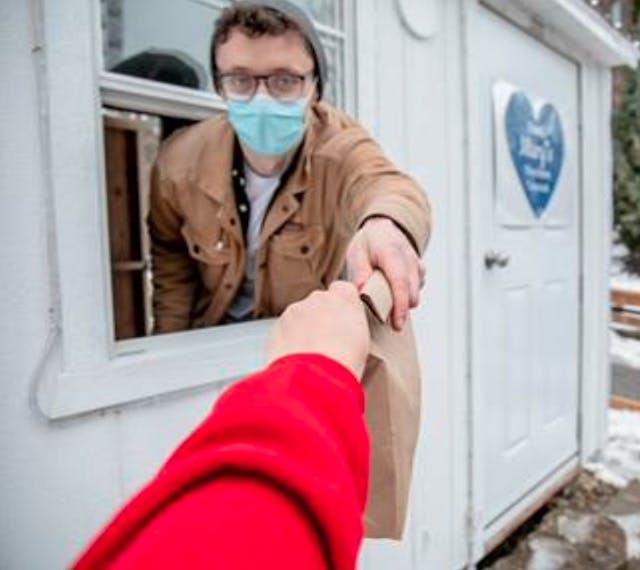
(285, 209)
(232, 221)
(304, 249)
(196, 248)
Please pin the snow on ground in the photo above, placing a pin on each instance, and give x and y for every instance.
(576, 529)
(624, 351)
(625, 281)
(548, 552)
(620, 462)
(619, 465)
(630, 524)
(619, 278)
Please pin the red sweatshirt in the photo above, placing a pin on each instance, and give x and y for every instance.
(275, 477)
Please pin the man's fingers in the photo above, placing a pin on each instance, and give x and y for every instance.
(414, 283)
(359, 265)
(401, 303)
(380, 244)
(395, 269)
(422, 268)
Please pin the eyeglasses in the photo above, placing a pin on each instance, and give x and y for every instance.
(283, 86)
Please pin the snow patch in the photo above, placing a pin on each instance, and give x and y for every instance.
(630, 524)
(576, 529)
(619, 278)
(548, 553)
(625, 281)
(620, 462)
(624, 351)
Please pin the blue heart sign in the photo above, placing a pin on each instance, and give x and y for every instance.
(536, 144)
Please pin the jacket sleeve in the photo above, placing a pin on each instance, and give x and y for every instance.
(374, 187)
(275, 477)
(174, 271)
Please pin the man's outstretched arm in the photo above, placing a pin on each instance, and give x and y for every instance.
(393, 220)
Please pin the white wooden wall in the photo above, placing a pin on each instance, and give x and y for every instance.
(60, 481)
(411, 99)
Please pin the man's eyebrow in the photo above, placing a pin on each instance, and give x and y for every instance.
(242, 69)
(287, 70)
(236, 69)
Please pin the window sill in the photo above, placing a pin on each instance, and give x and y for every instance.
(143, 95)
(144, 369)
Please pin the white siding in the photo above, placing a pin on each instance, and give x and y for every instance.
(412, 104)
(59, 481)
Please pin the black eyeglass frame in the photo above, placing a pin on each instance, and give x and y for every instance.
(302, 77)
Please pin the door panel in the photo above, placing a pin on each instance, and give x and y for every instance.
(516, 378)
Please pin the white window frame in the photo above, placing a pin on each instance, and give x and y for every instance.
(84, 369)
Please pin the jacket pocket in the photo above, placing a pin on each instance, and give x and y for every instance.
(294, 265)
(206, 249)
(213, 256)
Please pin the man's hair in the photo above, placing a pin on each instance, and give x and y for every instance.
(253, 21)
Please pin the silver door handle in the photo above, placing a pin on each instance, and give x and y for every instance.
(497, 259)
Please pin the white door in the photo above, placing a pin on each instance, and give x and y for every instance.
(524, 230)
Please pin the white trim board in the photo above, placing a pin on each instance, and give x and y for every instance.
(576, 23)
(137, 94)
(151, 367)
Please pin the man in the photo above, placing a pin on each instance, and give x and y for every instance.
(253, 210)
(276, 476)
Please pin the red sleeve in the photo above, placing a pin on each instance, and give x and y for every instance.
(275, 477)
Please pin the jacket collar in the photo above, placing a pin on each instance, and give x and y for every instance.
(214, 165)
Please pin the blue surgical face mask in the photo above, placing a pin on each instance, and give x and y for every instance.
(268, 126)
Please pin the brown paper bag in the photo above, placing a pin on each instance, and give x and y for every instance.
(392, 390)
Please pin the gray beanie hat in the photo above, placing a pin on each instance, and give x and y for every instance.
(304, 22)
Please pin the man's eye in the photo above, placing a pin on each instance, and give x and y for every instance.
(285, 82)
(242, 82)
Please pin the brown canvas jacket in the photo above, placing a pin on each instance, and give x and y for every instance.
(341, 179)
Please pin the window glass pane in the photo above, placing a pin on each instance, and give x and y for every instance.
(334, 91)
(166, 40)
(326, 12)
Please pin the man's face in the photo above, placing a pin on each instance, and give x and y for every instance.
(265, 55)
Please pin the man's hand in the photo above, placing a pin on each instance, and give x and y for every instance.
(379, 244)
(331, 322)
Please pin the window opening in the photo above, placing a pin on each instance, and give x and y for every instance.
(156, 80)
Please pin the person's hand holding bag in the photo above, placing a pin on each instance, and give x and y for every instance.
(331, 322)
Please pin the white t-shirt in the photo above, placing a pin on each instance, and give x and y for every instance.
(260, 190)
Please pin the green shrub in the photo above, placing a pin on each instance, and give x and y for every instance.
(626, 195)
